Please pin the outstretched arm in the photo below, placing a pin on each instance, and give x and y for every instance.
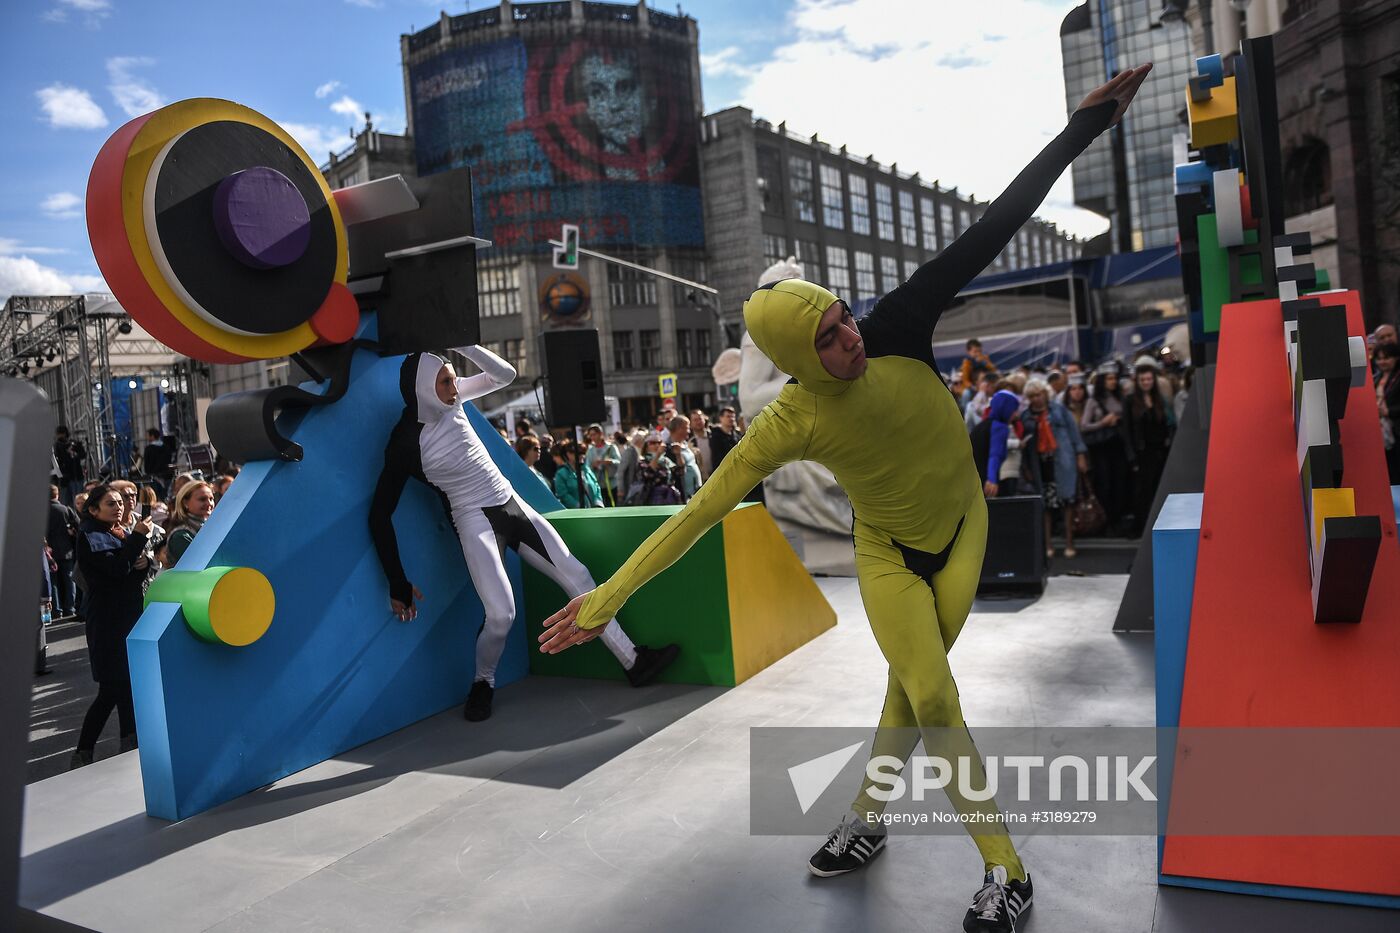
(912, 310)
(777, 437)
(495, 374)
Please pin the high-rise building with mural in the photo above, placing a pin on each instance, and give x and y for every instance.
(577, 113)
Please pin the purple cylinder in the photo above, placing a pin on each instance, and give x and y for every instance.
(261, 218)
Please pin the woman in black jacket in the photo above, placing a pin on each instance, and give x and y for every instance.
(113, 563)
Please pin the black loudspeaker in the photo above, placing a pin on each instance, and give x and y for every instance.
(573, 378)
(1015, 560)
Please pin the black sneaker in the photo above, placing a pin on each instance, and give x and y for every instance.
(479, 702)
(998, 903)
(650, 662)
(846, 849)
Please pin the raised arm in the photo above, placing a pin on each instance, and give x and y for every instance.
(778, 436)
(495, 374)
(911, 311)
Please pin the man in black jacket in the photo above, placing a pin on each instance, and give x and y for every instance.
(63, 526)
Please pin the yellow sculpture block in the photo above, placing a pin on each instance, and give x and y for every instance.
(1214, 121)
(775, 606)
(1330, 503)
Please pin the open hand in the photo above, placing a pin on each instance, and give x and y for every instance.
(1121, 87)
(560, 630)
(406, 612)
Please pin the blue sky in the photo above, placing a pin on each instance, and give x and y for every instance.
(971, 90)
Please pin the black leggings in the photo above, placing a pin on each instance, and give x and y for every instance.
(109, 696)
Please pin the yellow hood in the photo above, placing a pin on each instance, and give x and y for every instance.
(782, 318)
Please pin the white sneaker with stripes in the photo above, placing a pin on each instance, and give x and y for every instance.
(849, 846)
(999, 902)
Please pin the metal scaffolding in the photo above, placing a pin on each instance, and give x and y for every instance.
(72, 347)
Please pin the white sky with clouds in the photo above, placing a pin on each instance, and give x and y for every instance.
(965, 92)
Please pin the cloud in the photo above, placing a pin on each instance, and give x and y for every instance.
(326, 89)
(21, 275)
(62, 205)
(12, 247)
(132, 93)
(317, 139)
(95, 11)
(70, 108)
(972, 94)
(347, 106)
(723, 63)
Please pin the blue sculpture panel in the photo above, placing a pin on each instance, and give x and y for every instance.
(336, 669)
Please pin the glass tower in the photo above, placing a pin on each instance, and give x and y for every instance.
(1126, 175)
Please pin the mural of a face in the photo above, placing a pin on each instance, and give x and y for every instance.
(614, 98)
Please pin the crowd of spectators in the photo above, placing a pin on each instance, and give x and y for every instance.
(1092, 445)
(664, 463)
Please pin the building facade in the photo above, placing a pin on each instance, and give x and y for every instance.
(1126, 174)
(858, 227)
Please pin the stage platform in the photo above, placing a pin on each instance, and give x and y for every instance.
(589, 806)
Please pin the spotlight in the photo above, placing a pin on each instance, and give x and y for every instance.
(165, 383)
(131, 384)
(124, 327)
(24, 367)
(51, 355)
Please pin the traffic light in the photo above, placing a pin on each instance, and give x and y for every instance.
(566, 257)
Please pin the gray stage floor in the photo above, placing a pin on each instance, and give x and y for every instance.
(586, 806)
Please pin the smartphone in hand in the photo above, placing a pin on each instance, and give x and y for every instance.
(145, 506)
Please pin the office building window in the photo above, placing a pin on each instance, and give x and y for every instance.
(513, 352)
(833, 211)
(685, 349)
(809, 254)
(498, 286)
(930, 224)
(630, 287)
(702, 348)
(650, 356)
(624, 354)
(803, 195)
(687, 267)
(774, 248)
(945, 216)
(889, 274)
(838, 271)
(770, 181)
(884, 211)
(860, 204)
(865, 275)
(910, 267)
(908, 224)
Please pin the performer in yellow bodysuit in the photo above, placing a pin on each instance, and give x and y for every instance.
(920, 520)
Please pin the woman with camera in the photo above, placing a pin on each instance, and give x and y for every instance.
(113, 562)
